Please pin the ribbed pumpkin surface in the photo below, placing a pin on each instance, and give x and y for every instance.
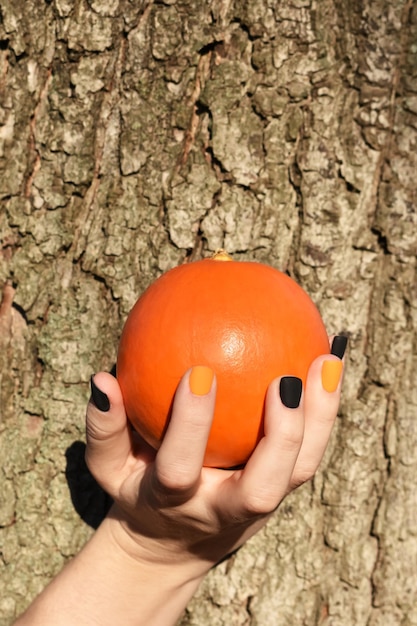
(247, 321)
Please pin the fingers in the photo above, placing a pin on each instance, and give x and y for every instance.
(180, 458)
(297, 428)
(296, 437)
(321, 403)
(108, 435)
(265, 480)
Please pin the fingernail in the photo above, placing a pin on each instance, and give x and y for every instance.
(201, 380)
(113, 370)
(339, 344)
(330, 375)
(290, 389)
(100, 399)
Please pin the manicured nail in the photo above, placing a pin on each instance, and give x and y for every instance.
(113, 370)
(290, 389)
(201, 380)
(331, 372)
(100, 399)
(339, 344)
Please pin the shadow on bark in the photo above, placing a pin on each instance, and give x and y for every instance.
(88, 498)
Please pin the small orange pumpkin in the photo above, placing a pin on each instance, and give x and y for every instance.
(247, 321)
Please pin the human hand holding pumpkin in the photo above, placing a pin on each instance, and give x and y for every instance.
(173, 519)
(173, 509)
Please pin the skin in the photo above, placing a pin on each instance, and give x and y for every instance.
(173, 519)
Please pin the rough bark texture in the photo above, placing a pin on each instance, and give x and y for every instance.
(137, 135)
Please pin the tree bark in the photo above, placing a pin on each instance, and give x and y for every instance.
(137, 136)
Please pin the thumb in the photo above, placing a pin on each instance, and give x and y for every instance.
(109, 443)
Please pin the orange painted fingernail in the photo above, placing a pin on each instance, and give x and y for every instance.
(331, 372)
(201, 380)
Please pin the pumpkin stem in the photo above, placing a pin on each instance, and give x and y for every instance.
(221, 255)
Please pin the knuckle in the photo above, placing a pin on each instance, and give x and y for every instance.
(260, 503)
(301, 477)
(291, 436)
(95, 427)
(94, 432)
(100, 430)
(175, 478)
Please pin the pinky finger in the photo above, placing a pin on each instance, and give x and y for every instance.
(322, 397)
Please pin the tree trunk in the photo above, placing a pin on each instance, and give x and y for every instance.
(139, 135)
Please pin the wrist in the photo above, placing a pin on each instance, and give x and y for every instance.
(166, 579)
(149, 552)
(115, 580)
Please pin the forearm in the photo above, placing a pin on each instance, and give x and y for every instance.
(104, 586)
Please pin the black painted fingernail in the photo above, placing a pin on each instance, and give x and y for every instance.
(100, 399)
(113, 370)
(290, 389)
(339, 344)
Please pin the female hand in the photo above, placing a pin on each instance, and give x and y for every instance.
(168, 508)
(172, 519)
